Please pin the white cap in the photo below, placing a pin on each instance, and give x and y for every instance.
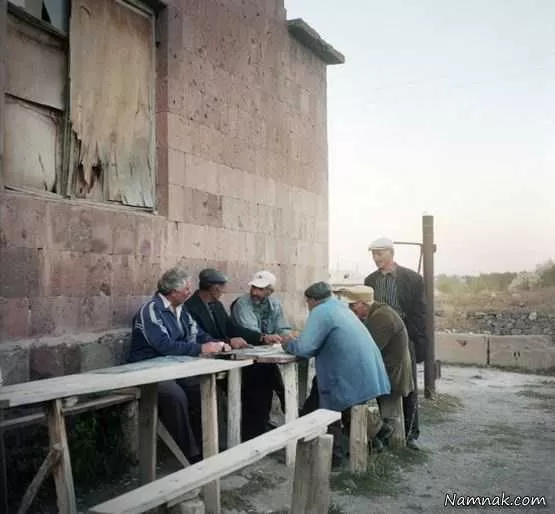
(382, 243)
(263, 279)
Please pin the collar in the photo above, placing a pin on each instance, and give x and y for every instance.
(392, 272)
(168, 306)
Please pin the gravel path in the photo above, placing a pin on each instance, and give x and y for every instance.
(498, 439)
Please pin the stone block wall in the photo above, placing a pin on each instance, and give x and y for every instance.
(241, 183)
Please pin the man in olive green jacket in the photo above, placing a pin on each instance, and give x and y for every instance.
(390, 334)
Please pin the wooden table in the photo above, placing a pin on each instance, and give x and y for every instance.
(287, 364)
(146, 375)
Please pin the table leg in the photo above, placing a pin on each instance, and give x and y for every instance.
(148, 417)
(290, 384)
(63, 477)
(211, 491)
(234, 407)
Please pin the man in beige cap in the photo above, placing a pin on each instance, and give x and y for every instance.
(389, 333)
(403, 290)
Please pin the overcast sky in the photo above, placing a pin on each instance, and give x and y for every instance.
(445, 107)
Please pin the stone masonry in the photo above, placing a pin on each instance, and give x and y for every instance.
(241, 184)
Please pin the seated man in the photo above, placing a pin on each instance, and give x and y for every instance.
(259, 310)
(163, 327)
(389, 333)
(349, 366)
(210, 314)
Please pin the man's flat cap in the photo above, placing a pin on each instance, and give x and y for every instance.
(211, 276)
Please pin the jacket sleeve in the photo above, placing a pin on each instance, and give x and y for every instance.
(313, 336)
(243, 315)
(196, 332)
(234, 330)
(157, 335)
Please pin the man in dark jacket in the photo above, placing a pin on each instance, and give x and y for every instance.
(163, 327)
(211, 315)
(403, 290)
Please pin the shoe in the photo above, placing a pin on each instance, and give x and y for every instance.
(377, 445)
(194, 459)
(412, 444)
(385, 432)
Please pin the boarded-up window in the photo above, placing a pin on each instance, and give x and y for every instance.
(36, 72)
(111, 98)
(80, 106)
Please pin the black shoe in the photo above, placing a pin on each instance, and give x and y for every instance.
(385, 432)
(377, 445)
(195, 458)
(412, 444)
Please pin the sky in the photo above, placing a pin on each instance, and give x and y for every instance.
(443, 107)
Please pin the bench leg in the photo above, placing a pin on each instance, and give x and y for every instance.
(311, 483)
(211, 491)
(63, 477)
(358, 439)
(234, 407)
(290, 383)
(391, 407)
(130, 429)
(148, 416)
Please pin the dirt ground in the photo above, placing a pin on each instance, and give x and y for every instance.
(486, 433)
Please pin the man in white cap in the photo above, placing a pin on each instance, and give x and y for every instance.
(402, 289)
(259, 310)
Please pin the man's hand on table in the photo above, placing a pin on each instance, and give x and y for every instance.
(215, 347)
(270, 339)
(238, 342)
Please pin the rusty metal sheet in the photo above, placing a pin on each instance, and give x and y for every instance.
(112, 81)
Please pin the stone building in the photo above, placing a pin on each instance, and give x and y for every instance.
(135, 134)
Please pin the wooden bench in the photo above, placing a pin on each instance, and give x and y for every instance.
(311, 478)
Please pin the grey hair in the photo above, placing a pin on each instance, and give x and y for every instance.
(318, 291)
(174, 278)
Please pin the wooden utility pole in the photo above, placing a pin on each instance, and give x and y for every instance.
(428, 250)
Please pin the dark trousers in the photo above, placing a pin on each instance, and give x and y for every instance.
(179, 409)
(337, 429)
(410, 403)
(259, 383)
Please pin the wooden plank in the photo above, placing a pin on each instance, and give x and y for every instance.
(170, 443)
(311, 484)
(391, 407)
(171, 487)
(234, 408)
(290, 384)
(45, 468)
(358, 440)
(117, 377)
(63, 477)
(211, 491)
(92, 405)
(148, 415)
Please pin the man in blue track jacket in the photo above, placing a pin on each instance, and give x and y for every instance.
(162, 326)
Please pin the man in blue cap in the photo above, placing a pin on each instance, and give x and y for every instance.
(211, 315)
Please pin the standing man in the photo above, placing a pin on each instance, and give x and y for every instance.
(349, 366)
(403, 290)
(163, 327)
(259, 310)
(210, 313)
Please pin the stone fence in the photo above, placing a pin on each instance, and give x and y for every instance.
(526, 352)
